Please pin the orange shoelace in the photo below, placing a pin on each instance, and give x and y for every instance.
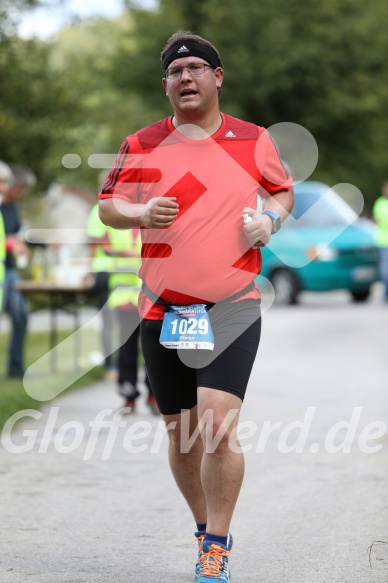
(200, 542)
(212, 562)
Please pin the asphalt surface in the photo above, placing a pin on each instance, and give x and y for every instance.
(95, 507)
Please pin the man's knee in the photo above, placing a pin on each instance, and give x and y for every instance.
(183, 431)
(216, 436)
(218, 419)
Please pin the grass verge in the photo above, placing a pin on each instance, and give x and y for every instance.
(14, 398)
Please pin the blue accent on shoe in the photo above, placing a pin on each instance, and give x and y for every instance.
(200, 537)
(214, 566)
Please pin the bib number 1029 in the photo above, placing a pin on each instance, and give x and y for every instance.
(190, 326)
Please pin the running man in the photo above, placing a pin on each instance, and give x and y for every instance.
(191, 182)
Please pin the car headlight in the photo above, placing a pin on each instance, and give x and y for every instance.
(322, 252)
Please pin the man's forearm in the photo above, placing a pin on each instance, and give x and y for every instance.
(280, 203)
(120, 214)
(159, 213)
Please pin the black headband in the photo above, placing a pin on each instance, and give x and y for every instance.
(190, 49)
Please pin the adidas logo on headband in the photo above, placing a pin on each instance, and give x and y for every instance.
(191, 49)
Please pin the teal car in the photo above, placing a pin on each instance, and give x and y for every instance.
(322, 246)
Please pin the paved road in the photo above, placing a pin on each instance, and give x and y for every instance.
(309, 515)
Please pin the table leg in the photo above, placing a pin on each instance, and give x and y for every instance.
(53, 334)
(77, 338)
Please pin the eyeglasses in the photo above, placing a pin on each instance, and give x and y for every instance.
(195, 69)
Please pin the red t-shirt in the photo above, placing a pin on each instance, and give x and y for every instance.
(204, 256)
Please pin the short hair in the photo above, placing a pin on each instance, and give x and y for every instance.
(6, 173)
(182, 36)
(23, 176)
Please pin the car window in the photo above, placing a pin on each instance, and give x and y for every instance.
(320, 209)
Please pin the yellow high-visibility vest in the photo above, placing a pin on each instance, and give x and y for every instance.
(97, 230)
(380, 213)
(124, 282)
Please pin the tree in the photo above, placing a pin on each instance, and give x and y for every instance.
(35, 107)
(10, 11)
(319, 64)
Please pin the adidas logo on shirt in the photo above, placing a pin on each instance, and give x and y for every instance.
(183, 49)
(230, 135)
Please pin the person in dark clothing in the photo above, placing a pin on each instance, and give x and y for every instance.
(14, 302)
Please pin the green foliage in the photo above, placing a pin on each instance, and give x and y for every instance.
(35, 107)
(82, 57)
(137, 68)
(9, 13)
(319, 64)
(13, 397)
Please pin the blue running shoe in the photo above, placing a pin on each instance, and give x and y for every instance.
(200, 536)
(213, 566)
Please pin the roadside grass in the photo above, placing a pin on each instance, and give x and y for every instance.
(13, 396)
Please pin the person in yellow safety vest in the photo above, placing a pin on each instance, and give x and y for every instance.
(101, 267)
(125, 286)
(380, 215)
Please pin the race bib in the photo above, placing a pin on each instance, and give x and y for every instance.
(187, 327)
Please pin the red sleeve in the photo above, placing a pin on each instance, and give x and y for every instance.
(274, 175)
(124, 177)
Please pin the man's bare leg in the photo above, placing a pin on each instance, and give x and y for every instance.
(208, 477)
(222, 470)
(186, 465)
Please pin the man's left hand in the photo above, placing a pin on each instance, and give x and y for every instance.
(258, 230)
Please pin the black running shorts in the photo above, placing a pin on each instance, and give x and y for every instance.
(175, 374)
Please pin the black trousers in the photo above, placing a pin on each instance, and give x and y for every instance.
(128, 358)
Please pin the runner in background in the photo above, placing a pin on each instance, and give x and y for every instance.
(101, 267)
(124, 248)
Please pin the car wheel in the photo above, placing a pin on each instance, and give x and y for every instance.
(286, 286)
(360, 296)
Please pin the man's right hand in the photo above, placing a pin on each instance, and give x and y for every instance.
(159, 213)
